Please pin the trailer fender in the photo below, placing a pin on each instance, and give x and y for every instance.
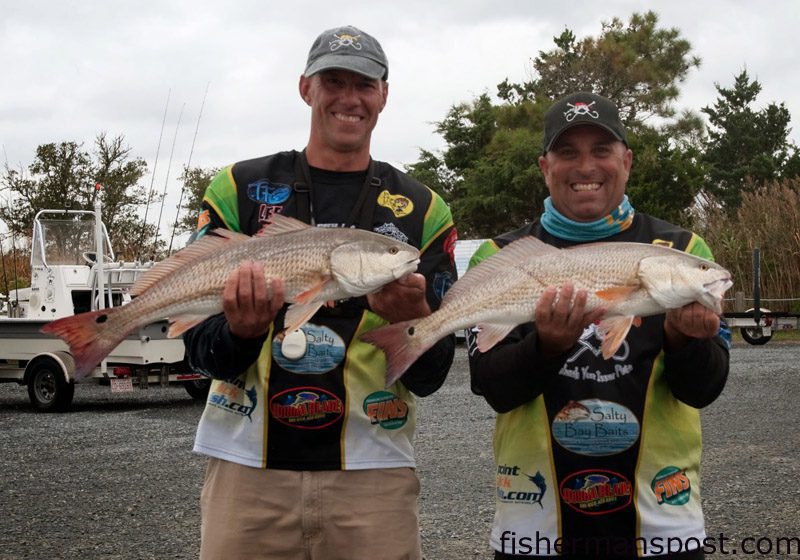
(64, 359)
(761, 333)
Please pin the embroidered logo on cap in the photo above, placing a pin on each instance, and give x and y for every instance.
(580, 109)
(345, 40)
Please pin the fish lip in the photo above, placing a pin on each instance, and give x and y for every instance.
(404, 269)
(716, 290)
(716, 284)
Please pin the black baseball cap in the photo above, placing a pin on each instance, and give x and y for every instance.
(581, 108)
(348, 48)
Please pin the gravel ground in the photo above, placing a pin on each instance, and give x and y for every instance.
(115, 478)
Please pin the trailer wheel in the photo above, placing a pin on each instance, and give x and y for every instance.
(198, 388)
(755, 336)
(47, 388)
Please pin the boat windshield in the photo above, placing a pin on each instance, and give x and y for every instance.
(62, 241)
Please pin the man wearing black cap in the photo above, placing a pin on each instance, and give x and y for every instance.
(310, 456)
(598, 458)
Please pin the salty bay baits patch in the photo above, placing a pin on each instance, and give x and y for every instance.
(595, 427)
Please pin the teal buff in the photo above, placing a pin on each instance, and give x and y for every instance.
(562, 227)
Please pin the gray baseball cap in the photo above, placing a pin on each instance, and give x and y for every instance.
(348, 48)
(581, 108)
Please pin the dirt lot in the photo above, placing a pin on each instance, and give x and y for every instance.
(115, 478)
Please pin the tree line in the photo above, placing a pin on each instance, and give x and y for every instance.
(713, 178)
(734, 181)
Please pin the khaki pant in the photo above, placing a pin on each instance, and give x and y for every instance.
(253, 514)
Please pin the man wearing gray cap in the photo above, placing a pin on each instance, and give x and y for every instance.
(598, 458)
(310, 455)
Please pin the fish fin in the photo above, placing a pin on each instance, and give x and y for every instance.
(279, 224)
(226, 234)
(400, 346)
(614, 330)
(501, 264)
(312, 291)
(89, 336)
(491, 334)
(299, 313)
(529, 246)
(201, 248)
(616, 292)
(182, 323)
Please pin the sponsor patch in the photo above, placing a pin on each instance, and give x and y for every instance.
(203, 219)
(671, 486)
(612, 369)
(663, 243)
(595, 427)
(397, 203)
(266, 211)
(596, 492)
(450, 246)
(233, 397)
(442, 281)
(386, 409)
(310, 408)
(324, 351)
(267, 192)
(590, 341)
(516, 487)
(391, 230)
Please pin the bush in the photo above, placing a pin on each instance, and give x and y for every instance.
(768, 218)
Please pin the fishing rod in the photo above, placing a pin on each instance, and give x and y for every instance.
(13, 247)
(3, 260)
(152, 179)
(186, 171)
(14, 259)
(166, 181)
(2, 240)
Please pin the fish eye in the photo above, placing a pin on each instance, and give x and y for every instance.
(393, 250)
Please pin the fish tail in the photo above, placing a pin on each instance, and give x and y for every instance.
(90, 337)
(401, 346)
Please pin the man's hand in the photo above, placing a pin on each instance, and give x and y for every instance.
(401, 300)
(251, 303)
(690, 321)
(559, 321)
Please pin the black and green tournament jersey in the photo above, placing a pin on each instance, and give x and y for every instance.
(593, 452)
(328, 409)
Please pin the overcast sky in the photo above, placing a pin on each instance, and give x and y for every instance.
(74, 69)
